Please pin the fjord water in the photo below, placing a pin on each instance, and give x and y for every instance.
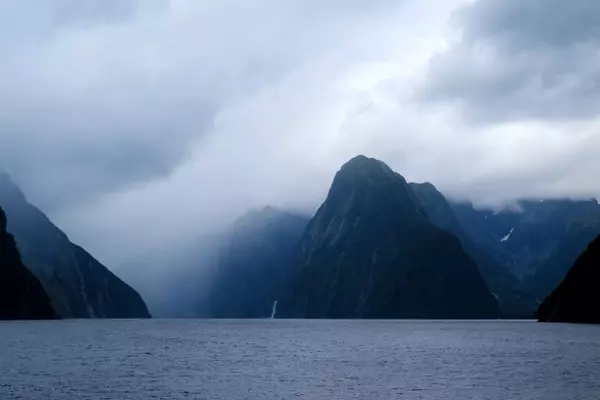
(298, 359)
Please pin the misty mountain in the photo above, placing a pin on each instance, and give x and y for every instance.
(577, 297)
(234, 273)
(77, 284)
(22, 296)
(514, 299)
(254, 262)
(371, 252)
(537, 240)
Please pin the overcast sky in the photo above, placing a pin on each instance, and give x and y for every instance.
(134, 122)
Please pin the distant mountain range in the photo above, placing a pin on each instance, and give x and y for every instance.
(538, 241)
(372, 251)
(77, 284)
(378, 247)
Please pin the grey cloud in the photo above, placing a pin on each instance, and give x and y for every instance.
(532, 24)
(148, 125)
(521, 60)
(101, 95)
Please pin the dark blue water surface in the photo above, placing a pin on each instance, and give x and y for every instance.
(276, 359)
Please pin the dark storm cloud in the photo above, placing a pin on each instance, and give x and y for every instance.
(522, 59)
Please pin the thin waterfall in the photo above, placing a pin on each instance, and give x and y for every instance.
(274, 310)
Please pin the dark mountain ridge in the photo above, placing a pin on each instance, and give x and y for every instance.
(577, 298)
(21, 293)
(77, 284)
(254, 261)
(371, 252)
(515, 300)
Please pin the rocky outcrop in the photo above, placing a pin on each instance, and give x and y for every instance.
(372, 252)
(577, 298)
(21, 294)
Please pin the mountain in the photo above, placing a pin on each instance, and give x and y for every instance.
(232, 273)
(371, 252)
(576, 299)
(253, 263)
(78, 285)
(21, 293)
(514, 299)
(537, 240)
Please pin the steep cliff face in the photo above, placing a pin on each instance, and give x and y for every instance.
(253, 264)
(514, 299)
(372, 252)
(577, 298)
(78, 285)
(21, 294)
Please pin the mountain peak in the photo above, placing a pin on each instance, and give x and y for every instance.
(368, 185)
(362, 174)
(370, 251)
(363, 165)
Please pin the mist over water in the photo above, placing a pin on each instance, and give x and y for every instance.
(175, 279)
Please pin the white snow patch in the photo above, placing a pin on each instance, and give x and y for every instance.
(505, 238)
(374, 256)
